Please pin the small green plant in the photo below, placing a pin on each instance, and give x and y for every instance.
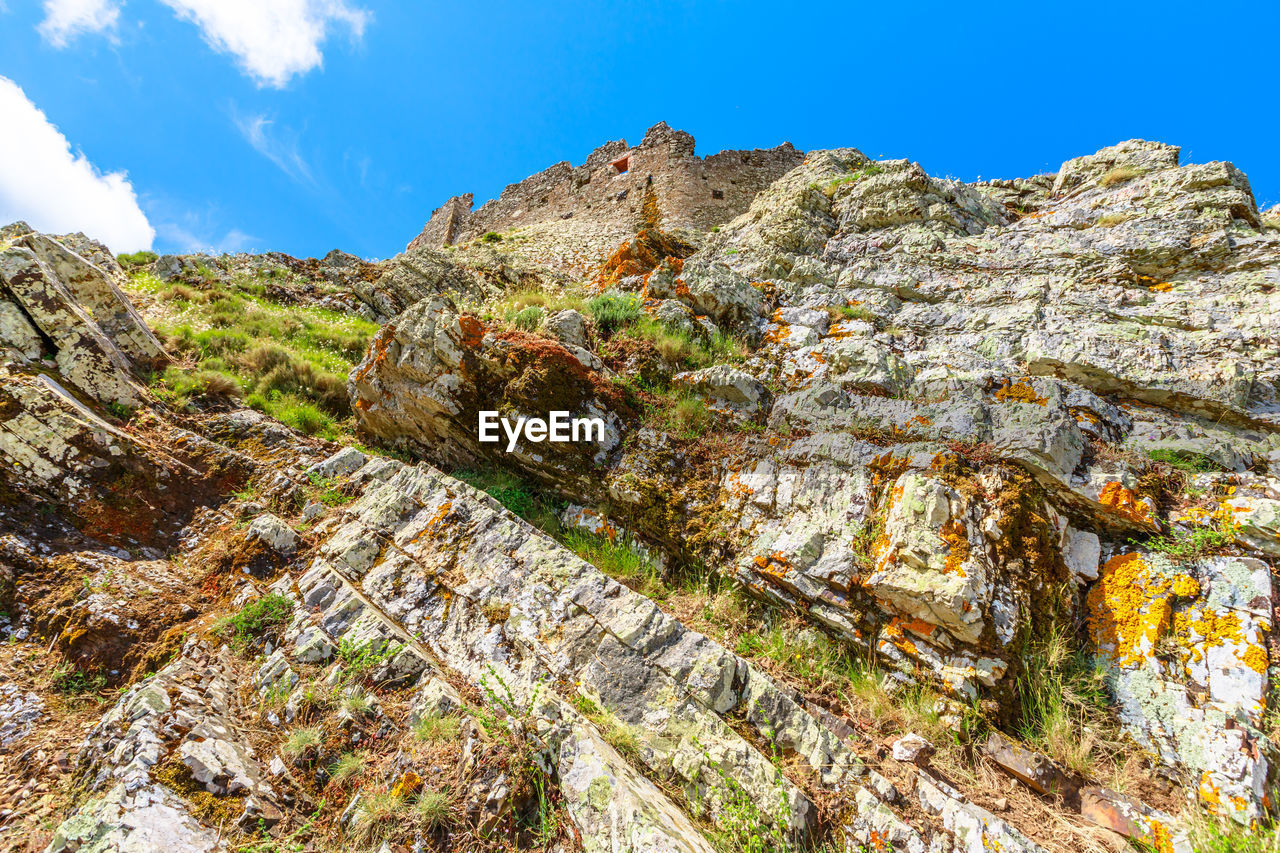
(527, 318)
(491, 237)
(359, 660)
(348, 766)
(1188, 546)
(70, 681)
(1185, 460)
(300, 743)
(616, 733)
(1211, 834)
(612, 310)
(254, 619)
(852, 312)
(380, 816)
(328, 492)
(434, 728)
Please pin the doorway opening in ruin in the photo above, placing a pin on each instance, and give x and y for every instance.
(622, 164)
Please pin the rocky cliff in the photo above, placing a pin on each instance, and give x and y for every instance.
(926, 516)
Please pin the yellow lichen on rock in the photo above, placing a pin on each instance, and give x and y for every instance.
(1130, 608)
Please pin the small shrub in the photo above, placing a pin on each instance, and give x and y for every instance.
(527, 318)
(1118, 175)
(69, 681)
(613, 310)
(359, 660)
(255, 619)
(491, 237)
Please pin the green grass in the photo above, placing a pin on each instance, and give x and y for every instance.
(619, 560)
(356, 704)
(1063, 701)
(348, 766)
(621, 736)
(1187, 546)
(690, 417)
(300, 742)
(688, 351)
(516, 495)
(136, 259)
(254, 619)
(1110, 220)
(852, 312)
(1217, 835)
(291, 361)
(432, 810)
(434, 728)
(1184, 460)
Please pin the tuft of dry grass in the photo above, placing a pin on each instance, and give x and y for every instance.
(1118, 175)
(1111, 220)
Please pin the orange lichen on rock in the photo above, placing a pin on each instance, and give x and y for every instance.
(1124, 503)
(472, 331)
(953, 533)
(1019, 392)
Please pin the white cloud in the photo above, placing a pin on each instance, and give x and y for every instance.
(55, 190)
(278, 146)
(272, 39)
(192, 235)
(66, 19)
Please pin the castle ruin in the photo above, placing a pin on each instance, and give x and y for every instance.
(608, 190)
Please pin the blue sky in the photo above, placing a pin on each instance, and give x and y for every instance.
(305, 125)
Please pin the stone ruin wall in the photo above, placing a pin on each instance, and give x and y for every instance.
(609, 188)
